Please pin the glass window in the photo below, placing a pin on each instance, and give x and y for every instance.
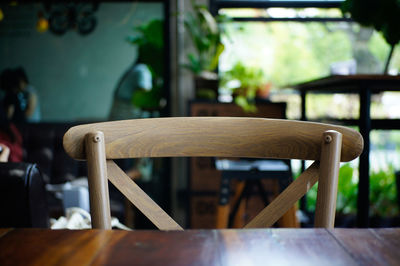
(292, 43)
(291, 52)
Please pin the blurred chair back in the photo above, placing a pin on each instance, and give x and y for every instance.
(22, 196)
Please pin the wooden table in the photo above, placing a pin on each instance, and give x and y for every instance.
(364, 86)
(201, 247)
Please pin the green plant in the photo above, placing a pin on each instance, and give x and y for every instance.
(150, 49)
(248, 81)
(381, 15)
(204, 32)
(346, 202)
(383, 193)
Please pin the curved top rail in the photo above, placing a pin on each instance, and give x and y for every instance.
(212, 136)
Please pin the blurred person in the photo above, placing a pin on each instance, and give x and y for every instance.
(14, 101)
(32, 111)
(10, 140)
(20, 100)
(137, 77)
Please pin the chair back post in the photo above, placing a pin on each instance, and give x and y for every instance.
(328, 179)
(97, 179)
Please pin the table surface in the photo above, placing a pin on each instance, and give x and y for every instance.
(350, 83)
(201, 247)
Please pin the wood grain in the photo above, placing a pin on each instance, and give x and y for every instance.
(205, 136)
(4, 231)
(201, 247)
(289, 219)
(222, 216)
(368, 248)
(286, 199)
(54, 247)
(98, 182)
(212, 136)
(390, 239)
(168, 248)
(238, 221)
(140, 199)
(282, 247)
(325, 208)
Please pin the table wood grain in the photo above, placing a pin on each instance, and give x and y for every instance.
(200, 247)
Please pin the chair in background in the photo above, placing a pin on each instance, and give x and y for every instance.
(249, 176)
(225, 193)
(100, 143)
(23, 201)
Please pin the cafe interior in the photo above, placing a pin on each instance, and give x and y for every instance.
(173, 134)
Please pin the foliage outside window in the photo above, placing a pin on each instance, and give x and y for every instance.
(383, 193)
(381, 15)
(293, 52)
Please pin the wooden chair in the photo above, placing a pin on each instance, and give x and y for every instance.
(100, 143)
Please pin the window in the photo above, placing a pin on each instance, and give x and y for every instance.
(296, 44)
(296, 41)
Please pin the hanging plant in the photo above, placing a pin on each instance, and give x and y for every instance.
(383, 16)
(205, 34)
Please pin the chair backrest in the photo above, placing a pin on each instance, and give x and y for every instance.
(100, 143)
(23, 201)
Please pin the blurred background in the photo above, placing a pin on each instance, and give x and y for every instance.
(245, 54)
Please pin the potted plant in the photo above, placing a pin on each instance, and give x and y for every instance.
(204, 32)
(246, 84)
(381, 15)
(150, 47)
